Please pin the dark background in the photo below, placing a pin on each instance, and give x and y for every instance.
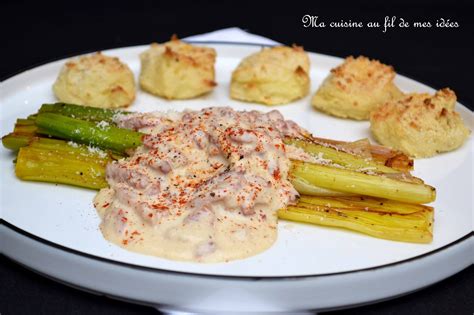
(35, 33)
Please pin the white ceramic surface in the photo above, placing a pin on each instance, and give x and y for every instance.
(176, 291)
(65, 215)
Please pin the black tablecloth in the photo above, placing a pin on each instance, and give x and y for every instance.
(38, 32)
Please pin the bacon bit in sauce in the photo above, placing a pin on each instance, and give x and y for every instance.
(276, 174)
(159, 207)
(224, 169)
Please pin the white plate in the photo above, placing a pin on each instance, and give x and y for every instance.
(60, 221)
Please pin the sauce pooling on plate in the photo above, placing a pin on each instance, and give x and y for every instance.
(205, 186)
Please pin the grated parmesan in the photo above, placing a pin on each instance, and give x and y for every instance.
(103, 125)
(97, 151)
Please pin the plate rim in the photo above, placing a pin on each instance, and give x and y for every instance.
(69, 250)
(206, 275)
(256, 301)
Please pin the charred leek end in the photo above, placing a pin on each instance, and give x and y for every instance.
(383, 155)
(105, 137)
(349, 181)
(56, 161)
(392, 158)
(23, 133)
(349, 161)
(82, 112)
(25, 126)
(416, 227)
(14, 141)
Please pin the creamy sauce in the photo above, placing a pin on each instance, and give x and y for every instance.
(205, 186)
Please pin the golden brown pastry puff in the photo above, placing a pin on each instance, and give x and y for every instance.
(355, 88)
(95, 80)
(419, 124)
(272, 76)
(177, 70)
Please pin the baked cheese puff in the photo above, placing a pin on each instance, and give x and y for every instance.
(177, 70)
(355, 88)
(272, 76)
(95, 80)
(420, 125)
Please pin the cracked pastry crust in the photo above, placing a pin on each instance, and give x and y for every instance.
(272, 76)
(355, 88)
(419, 124)
(177, 70)
(95, 80)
